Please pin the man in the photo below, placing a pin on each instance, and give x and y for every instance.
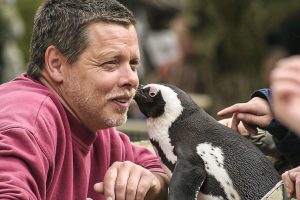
(57, 139)
(268, 109)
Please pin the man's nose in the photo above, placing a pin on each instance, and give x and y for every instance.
(129, 77)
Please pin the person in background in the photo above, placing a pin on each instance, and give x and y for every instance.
(57, 121)
(274, 110)
(285, 86)
(161, 25)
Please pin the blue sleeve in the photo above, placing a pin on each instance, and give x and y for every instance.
(263, 93)
(287, 142)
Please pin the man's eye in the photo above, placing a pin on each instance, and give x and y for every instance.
(134, 65)
(110, 65)
(112, 62)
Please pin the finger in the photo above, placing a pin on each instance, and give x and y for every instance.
(234, 122)
(285, 97)
(296, 169)
(258, 121)
(237, 108)
(246, 129)
(295, 177)
(121, 180)
(99, 187)
(226, 122)
(145, 183)
(285, 74)
(252, 130)
(231, 109)
(109, 182)
(290, 62)
(287, 64)
(284, 90)
(297, 185)
(288, 183)
(132, 184)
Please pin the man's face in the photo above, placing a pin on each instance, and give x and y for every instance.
(100, 85)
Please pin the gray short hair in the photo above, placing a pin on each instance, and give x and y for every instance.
(63, 23)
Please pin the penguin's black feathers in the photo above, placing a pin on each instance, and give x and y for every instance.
(203, 157)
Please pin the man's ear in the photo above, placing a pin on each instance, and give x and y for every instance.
(54, 61)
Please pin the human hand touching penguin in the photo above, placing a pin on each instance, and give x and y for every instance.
(205, 159)
(247, 117)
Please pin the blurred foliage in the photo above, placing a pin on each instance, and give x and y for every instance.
(229, 40)
(12, 30)
(27, 9)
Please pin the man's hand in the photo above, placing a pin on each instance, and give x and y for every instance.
(128, 181)
(291, 180)
(254, 113)
(285, 86)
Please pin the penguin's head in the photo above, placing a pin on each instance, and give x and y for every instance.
(154, 100)
(150, 100)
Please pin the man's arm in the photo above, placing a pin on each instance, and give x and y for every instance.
(23, 168)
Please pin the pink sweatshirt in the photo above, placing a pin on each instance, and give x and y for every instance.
(45, 153)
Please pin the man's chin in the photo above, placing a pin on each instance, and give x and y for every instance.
(118, 121)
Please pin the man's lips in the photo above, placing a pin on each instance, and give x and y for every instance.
(122, 101)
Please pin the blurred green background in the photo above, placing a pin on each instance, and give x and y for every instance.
(233, 43)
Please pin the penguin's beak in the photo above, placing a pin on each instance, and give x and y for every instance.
(140, 87)
(139, 91)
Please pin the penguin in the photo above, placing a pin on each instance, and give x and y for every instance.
(203, 158)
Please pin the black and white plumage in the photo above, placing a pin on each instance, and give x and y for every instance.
(204, 158)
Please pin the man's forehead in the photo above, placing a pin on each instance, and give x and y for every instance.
(106, 30)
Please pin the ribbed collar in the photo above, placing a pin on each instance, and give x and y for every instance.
(86, 136)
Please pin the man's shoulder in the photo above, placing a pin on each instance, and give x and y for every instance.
(27, 105)
(23, 89)
(24, 101)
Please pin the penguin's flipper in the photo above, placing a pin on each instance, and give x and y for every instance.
(188, 176)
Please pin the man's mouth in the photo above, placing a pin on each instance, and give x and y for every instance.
(122, 101)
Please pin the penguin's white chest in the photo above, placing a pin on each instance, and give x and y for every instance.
(165, 168)
(162, 137)
(213, 158)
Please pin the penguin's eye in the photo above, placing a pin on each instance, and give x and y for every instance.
(153, 91)
(152, 94)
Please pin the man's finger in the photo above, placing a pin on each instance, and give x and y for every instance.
(122, 180)
(98, 187)
(132, 184)
(109, 182)
(144, 187)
